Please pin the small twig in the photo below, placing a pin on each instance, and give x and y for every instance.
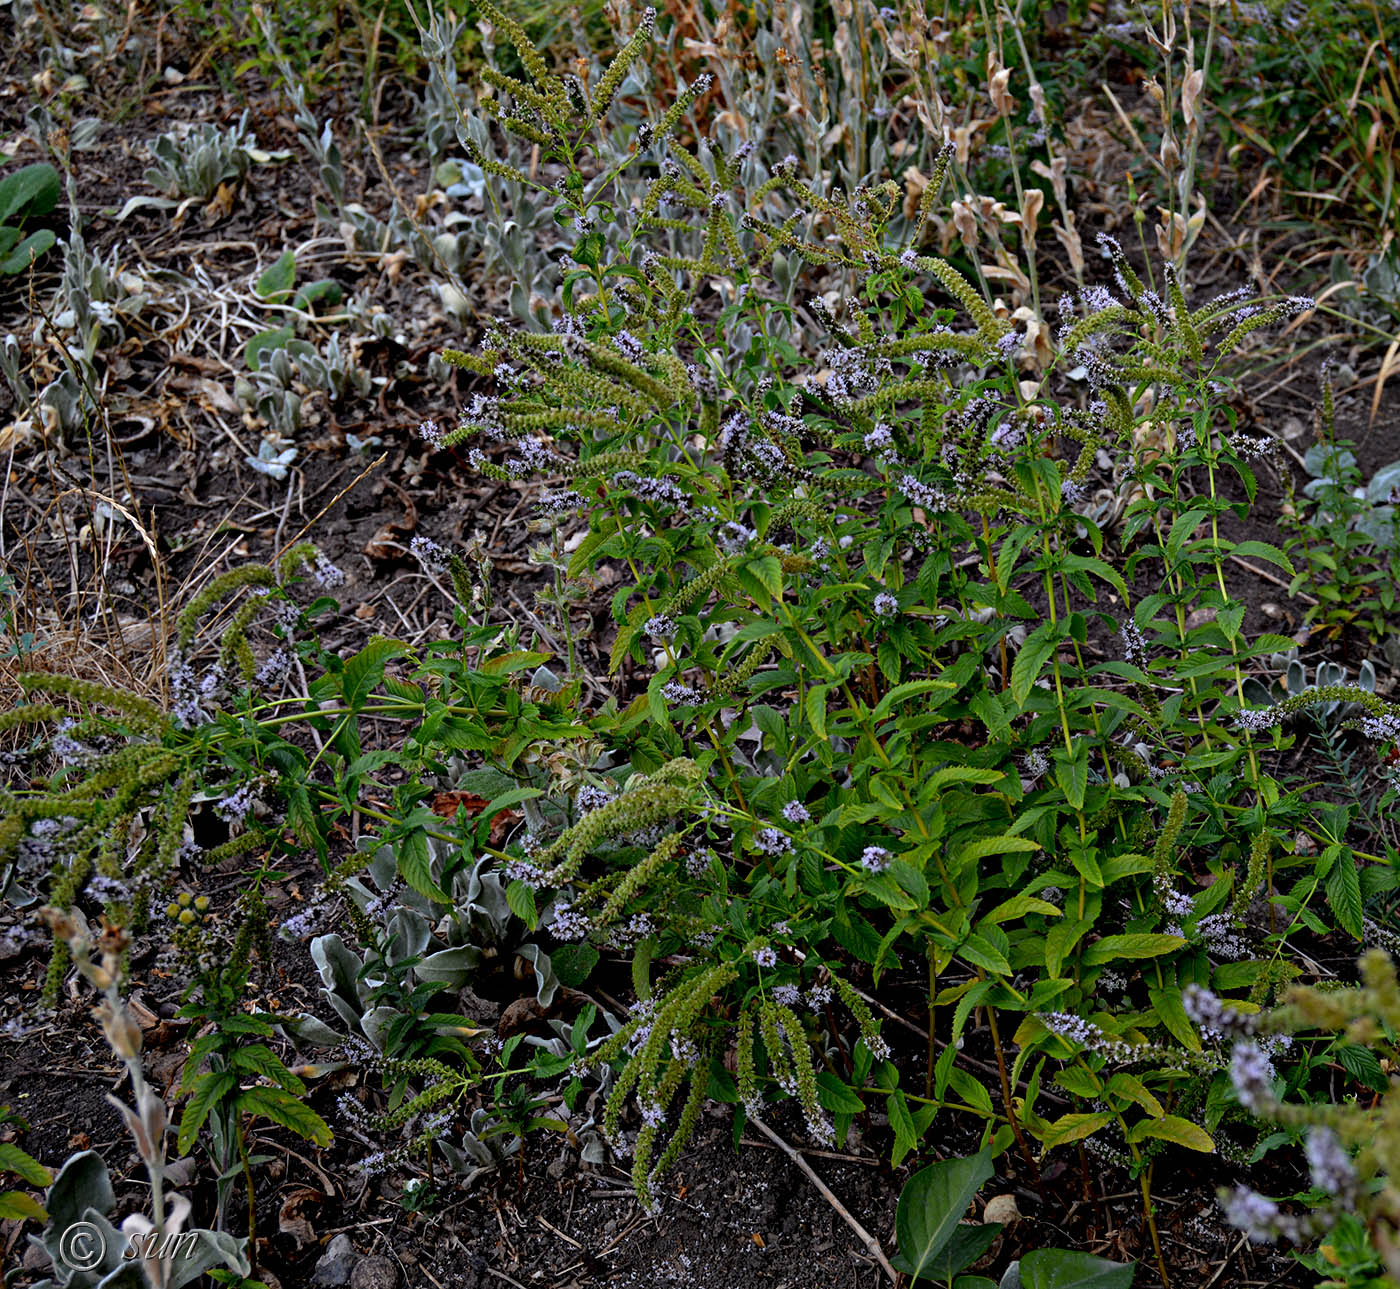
(501, 1275)
(1269, 577)
(820, 1154)
(1228, 1257)
(872, 1245)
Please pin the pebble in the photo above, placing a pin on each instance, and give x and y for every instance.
(335, 1264)
(374, 1273)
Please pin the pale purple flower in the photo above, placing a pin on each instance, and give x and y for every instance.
(274, 669)
(569, 923)
(1330, 1165)
(235, 805)
(886, 605)
(875, 859)
(429, 554)
(796, 813)
(1134, 644)
(1252, 1074)
(1252, 1213)
(766, 956)
(326, 573)
(660, 627)
(773, 841)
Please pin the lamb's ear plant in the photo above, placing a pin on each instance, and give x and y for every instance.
(1345, 533)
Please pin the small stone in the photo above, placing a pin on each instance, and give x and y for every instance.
(1001, 1208)
(335, 1264)
(374, 1273)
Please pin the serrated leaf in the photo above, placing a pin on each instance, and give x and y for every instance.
(415, 865)
(209, 1090)
(768, 572)
(1072, 773)
(1168, 1007)
(573, 963)
(1128, 1085)
(24, 1166)
(836, 1096)
(1173, 1128)
(912, 689)
(287, 1110)
(1184, 526)
(16, 1206)
(1073, 1127)
(906, 1136)
(365, 669)
(257, 1059)
(1361, 1063)
(1039, 645)
(1344, 893)
(1132, 945)
(1262, 550)
(521, 899)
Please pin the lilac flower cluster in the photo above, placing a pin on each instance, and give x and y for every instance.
(274, 669)
(773, 841)
(1213, 1018)
(1252, 1074)
(1035, 763)
(766, 956)
(1217, 932)
(429, 554)
(325, 573)
(680, 694)
(591, 797)
(568, 923)
(1256, 720)
(532, 458)
(1134, 644)
(519, 870)
(1329, 1163)
(886, 605)
(1384, 728)
(854, 372)
(662, 491)
(875, 859)
(660, 627)
(235, 805)
(303, 923)
(796, 813)
(923, 495)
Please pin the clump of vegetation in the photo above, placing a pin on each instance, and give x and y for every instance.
(890, 623)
